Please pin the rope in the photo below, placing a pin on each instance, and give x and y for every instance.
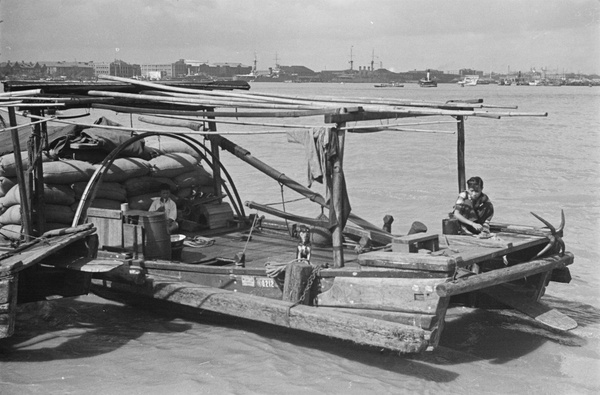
(287, 225)
(250, 233)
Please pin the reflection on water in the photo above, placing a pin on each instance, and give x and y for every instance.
(91, 345)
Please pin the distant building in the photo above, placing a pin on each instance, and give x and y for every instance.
(165, 70)
(101, 68)
(69, 70)
(120, 68)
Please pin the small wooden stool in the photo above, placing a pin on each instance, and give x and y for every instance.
(415, 242)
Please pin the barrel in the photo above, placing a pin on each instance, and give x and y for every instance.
(157, 243)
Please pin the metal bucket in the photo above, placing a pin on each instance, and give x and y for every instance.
(177, 246)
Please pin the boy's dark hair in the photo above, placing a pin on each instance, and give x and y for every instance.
(475, 181)
(165, 187)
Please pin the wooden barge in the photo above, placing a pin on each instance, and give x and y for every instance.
(359, 281)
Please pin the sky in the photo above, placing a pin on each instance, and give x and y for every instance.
(399, 35)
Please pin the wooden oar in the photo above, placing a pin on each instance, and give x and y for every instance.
(543, 314)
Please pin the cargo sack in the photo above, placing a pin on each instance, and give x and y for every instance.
(143, 185)
(197, 177)
(8, 168)
(170, 146)
(106, 190)
(67, 171)
(6, 184)
(106, 204)
(172, 165)
(11, 216)
(12, 197)
(11, 232)
(59, 214)
(125, 168)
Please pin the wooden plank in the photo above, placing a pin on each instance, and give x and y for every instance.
(104, 213)
(504, 275)
(455, 240)
(543, 314)
(362, 330)
(476, 254)
(423, 321)
(405, 260)
(91, 265)
(392, 294)
(40, 251)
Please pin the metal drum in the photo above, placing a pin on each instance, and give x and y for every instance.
(157, 243)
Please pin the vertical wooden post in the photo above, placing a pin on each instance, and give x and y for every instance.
(21, 176)
(460, 151)
(337, 199)
(216, 169)
(35, 162)
(296, 279)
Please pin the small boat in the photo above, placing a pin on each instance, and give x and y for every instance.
(427, 82)
(338, 274)
(389, 85)
(469, 80)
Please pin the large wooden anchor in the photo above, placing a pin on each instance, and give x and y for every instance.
(555, 238)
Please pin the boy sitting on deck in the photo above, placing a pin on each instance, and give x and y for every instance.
(473, 208)
(168, 206)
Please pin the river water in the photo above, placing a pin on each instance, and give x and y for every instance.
(542, 164)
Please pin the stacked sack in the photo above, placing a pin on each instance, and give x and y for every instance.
(133, 179)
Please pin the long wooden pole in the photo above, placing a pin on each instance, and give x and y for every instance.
(460, 151)
(337, 199)
(503, 275)
(21, 176)
(36, 164)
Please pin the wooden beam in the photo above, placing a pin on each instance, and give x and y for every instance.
(338, 192)
(359, 329)
(511, 273)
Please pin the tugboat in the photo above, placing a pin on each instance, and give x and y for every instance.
(427, 82)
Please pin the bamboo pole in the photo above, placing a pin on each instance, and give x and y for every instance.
(21, 177)
(460, 149)
(217, 114)
(21, 93)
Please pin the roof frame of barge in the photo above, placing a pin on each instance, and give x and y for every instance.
(180, 101)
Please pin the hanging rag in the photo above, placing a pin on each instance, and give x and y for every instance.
(311, 155)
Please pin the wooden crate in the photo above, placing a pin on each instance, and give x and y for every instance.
(109, 226)
(216, 216)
